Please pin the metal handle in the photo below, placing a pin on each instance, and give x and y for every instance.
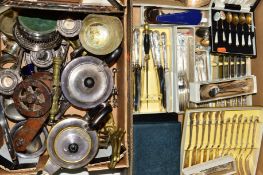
(243, 40)
(136, 49)
(153, 48)
(249, 40)
(229, 35)
(237, 40)
(7, 135)
(156, 39)
(164, 47)
(216, 37)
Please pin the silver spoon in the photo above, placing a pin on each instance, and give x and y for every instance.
(223, 18)
(229, 18)
(216, 18)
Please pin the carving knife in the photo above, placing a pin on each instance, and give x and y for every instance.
(160, 70)
(166, 69)
(146, 44)
(136, 69)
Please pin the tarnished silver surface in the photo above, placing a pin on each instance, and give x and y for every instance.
(87, 82)
(50, 168)
(7, 101)
(6, 59)
(32, 44)
(7, 136)
(9, 79)
(29, 30)
(43, 58)
(71, 144)
(12, 113)
(12, 48)
(69, 27)
(7, 21)
(38, 145)
(183, 91)
(64, 105)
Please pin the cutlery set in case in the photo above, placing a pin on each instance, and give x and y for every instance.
(210, 133)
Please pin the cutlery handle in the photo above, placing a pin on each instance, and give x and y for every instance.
(146, 44)
(137, 88)
(224, 36)
(230, 38)
(216, 38)
(136, 49)
(223, 33)
(152, 46)
(146, 40)
(237, 40)
(164, 49)
(249, 40)
(243, 40)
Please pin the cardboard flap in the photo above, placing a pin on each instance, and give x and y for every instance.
(92, 6)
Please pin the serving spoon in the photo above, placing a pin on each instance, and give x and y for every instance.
(236, 22)
(223, 18)
(249, 22)
(242, 21)
(216, 18)
(229, 19)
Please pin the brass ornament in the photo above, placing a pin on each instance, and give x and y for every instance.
(57, 64)
(113, 135)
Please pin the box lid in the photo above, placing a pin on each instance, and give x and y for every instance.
(242, 5)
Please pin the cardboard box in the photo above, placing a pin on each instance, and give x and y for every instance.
(121, 114)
